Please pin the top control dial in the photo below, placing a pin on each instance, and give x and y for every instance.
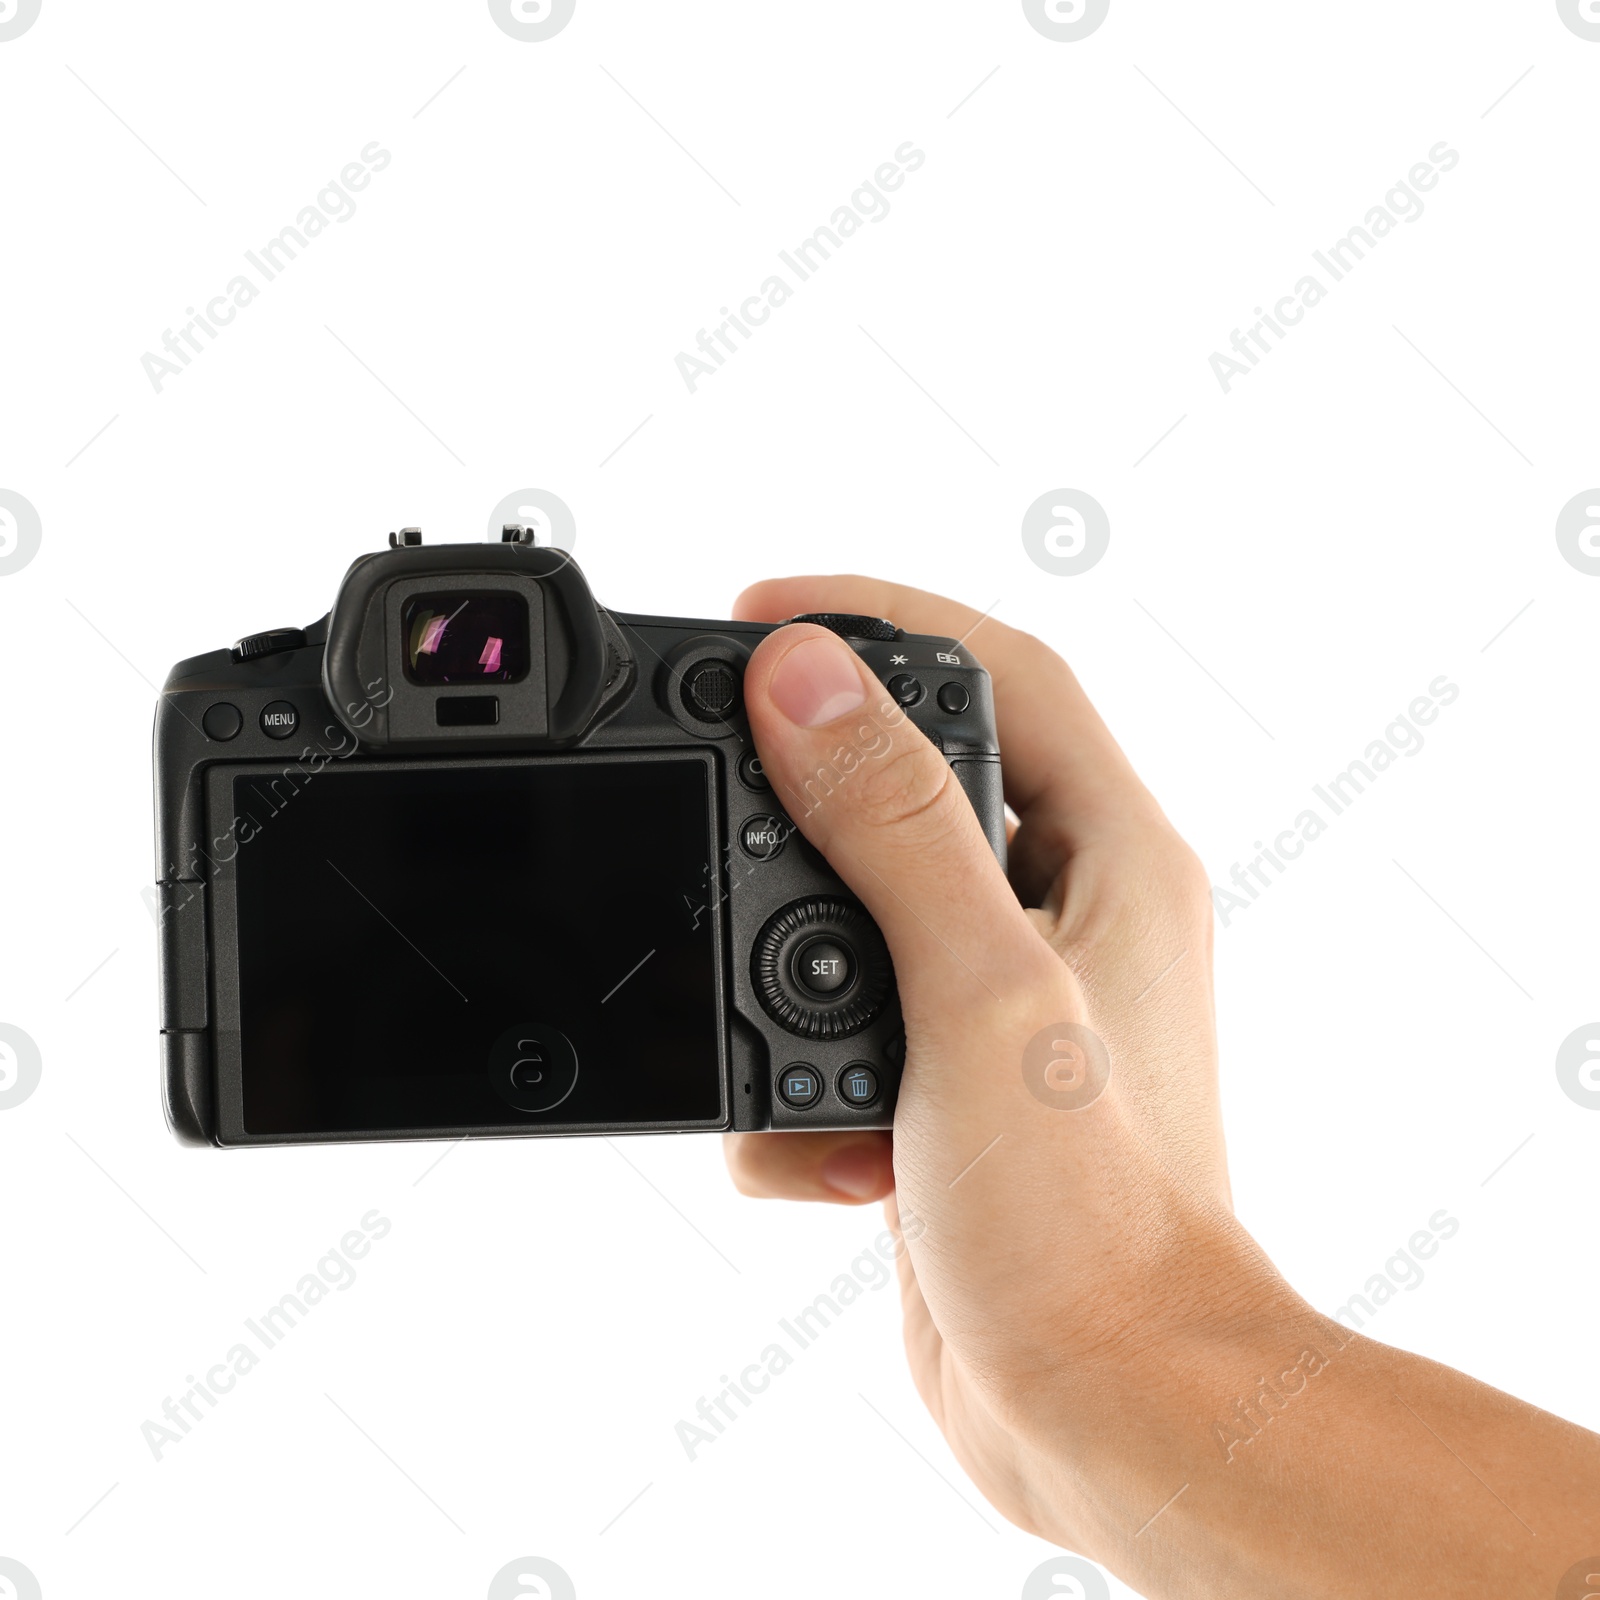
(848, 626)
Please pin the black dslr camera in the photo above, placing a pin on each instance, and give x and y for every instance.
(474, 856)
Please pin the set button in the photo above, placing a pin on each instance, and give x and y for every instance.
(824, 966)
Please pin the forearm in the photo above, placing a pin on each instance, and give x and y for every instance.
(1270, 1452)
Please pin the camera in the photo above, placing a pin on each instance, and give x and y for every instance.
(474, 856)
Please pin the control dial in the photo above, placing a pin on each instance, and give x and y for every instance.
(821, 968)
(848, 626)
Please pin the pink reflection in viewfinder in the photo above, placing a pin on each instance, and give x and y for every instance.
(490, 659)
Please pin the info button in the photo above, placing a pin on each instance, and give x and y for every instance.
(279, 720)
(762, 838)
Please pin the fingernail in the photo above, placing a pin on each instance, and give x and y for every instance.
(817, 681)
(854, 1169)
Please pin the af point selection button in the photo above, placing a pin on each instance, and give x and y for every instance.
(761, 838)
(279, 720)
(799, 1085)
(533, 1067)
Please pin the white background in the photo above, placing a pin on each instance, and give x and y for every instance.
(1366, 511)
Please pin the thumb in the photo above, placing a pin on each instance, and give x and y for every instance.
(865, 786)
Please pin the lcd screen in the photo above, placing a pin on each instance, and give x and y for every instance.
(489, 946)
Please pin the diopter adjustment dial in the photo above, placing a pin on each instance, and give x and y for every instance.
(255, 645)
(821, 968)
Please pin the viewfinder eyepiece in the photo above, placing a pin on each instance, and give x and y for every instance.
(461, 637)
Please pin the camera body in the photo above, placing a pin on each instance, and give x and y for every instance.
(473, 856)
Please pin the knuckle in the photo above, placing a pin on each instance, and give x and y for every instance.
(1177, 890)
(1030, 657)
(1038, 982)
(1186, 872)
(1163, 870)
(910, 790)
(1150, 890)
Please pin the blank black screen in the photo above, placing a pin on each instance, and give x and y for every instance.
(393, 925)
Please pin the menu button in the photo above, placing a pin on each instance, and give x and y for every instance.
(279, 720)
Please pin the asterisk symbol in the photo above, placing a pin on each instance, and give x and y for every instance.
(897, 661)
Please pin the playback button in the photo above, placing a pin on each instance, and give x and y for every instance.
(279, 720)
(799, 1086)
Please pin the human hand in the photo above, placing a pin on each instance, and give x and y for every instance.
(1103, 1346)
(1044, 1234)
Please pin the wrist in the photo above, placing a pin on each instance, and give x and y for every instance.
(1166, 1402)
